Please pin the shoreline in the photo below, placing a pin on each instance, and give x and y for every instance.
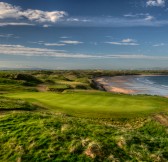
(102, 84)
(128, 85)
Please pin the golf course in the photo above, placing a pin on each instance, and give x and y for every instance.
(62, 116)
(96, 104)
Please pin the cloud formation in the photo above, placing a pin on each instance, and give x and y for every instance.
(11, 15)
(54, 44)
(77, 20)
(19, 50)
(71, 42)
(8, 36)
(64, 37)
(156, 3)
(138, 56)
(128, 20)
(143, 16)
(60, 43)
(159, 45)
(43, 16)
(8, 11)
(149, 18)
(125, 42)
(15, 24)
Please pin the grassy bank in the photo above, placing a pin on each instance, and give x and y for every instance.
(60, 116)
(40, 137)
(8, 104)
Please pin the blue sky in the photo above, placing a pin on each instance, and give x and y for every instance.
(78, 34)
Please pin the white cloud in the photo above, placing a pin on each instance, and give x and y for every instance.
(8, 11)
(85, 20)
(125, 42)
(71, 42)
(128, 40)
(136, 15)
(156, 3)
(46, 26)
(72, 19)
(125, 21)
(159, 45)
(15, 24)
(11, 46)
(64, 37)
(8, 36)
(43, 16)
(61, 43)
(138, 56)
(54, 44)
(143, 16)
(78, 20)
(128, 56)
(16, 16)
(19, 50)
(48, 44)
(149, 18)
(38, 42)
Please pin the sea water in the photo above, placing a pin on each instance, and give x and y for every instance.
(152, 85)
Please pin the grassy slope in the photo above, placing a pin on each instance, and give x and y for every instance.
(96, 104)
(8, 104)
(50, 136)
(40, 137)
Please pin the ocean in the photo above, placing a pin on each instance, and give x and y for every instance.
(137, 84)
(155, 80)
(152, 85)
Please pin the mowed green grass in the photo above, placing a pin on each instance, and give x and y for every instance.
(96, 104)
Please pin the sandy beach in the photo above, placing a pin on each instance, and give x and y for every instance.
(115, 84)
(121, 90)
(133, 84)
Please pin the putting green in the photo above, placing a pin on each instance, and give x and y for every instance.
(96, 104)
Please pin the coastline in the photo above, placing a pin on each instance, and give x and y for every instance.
(116, 87)
(129, 85)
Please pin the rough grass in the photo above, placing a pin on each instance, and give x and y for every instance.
(97, 104)
(7, 104)
(40, 137)
(8, 84)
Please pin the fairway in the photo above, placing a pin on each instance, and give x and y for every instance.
(96, 104)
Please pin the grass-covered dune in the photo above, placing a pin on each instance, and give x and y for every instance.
(8, 104)
(96, 104)
(50, 116)
(38, 137)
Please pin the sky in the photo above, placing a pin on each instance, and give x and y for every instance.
(83, 34)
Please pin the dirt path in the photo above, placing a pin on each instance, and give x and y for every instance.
(162, 119)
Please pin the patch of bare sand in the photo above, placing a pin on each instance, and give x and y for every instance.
(120, 90)
(162, 119)
(42, 88)
(101, 81)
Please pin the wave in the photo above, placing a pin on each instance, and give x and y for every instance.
(145, 80)
(148, 82)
